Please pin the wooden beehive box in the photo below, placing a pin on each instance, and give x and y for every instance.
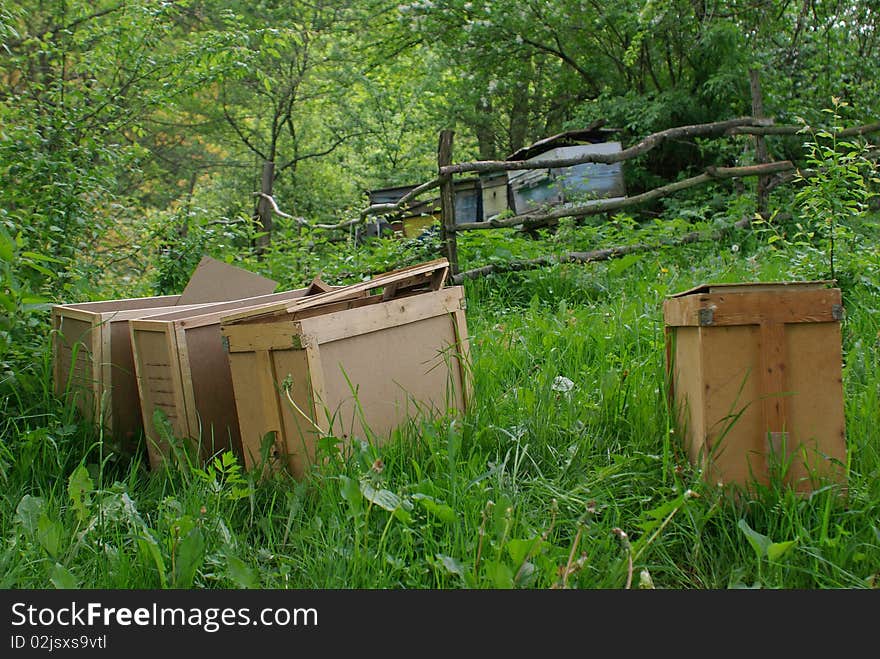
(92, 354)
(93, 362)
(181, 369)
(358, 368)
(756, 381)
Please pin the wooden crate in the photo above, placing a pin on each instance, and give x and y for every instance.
(756, 381)
(181, 369)
(93, 362)
(92, 355)
(354, 369)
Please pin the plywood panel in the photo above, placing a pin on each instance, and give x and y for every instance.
(688, 391)
(126, 420)
(105, 306)
(301, 427)
(216, 281)
(418, 371)
(213, 422)
(735, 438)
(817, 425)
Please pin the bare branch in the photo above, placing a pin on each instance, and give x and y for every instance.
(597, 206)
(302, 221)
(695, 130)
(318, 154)
(598, 254)
(240, 134)
(793, 130)
(278, 211)
(376, 209)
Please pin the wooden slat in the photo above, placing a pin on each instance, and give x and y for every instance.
(820, 305)
(403, 278)
(186, 393)
(270, 398)
(757, 286)
(317, 385)
(773, 360)
(208, 314)
(341, 325)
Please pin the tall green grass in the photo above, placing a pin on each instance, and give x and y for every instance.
(565, 473)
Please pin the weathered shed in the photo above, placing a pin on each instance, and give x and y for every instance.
(419, 214)
(546, 184)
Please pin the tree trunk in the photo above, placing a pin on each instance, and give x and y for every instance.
(485, 134)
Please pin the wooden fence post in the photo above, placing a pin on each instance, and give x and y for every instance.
(447, 202)
(761, 156)
(264, 207)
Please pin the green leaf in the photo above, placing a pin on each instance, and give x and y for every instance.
(7, 303)
(618, 266)
(350, 491)
(62, 578)
(150, 549)
(79, 488)
(49, 534)
(499, 574)
(452, 566)
(385, 499)
(40, 257)
(777, 550)
(7, 247)
(28, 512)
(190, 554)
(441, 511)
(760, 543)
(39, 268)
(240, 573)
(520, 548)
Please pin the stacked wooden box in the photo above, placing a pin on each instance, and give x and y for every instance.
(93, 362)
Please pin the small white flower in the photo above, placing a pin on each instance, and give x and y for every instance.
(563, 384)
(734, 248)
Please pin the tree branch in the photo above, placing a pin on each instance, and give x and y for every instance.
(598, 254)
(318, 154)
(375, 209)
(648, 143)
(240, 134)
(301, 220)
(597, 206)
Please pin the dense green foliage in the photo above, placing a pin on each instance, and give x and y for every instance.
(134, 136)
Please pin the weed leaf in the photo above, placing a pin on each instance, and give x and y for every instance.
(62, 578)
(79, 488)
(190, 553)
(241, 574)
(760, 543)
(28, 512)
